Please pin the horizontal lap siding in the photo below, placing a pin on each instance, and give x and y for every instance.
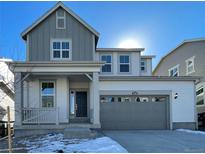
(39, 39)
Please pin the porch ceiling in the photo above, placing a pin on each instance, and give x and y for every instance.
(71, 76)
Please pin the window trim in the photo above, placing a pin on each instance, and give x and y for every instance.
(202, 87)
(187, 66)
(111, 72)
(124, 63)
(54, 94)
(145, 65)
(60, 40)
(176, 66)
(59, 17)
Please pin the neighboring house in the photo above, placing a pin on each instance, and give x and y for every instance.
(6, 90)
(66, 81)
(187, 59)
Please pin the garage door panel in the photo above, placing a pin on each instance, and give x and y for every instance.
(134, 115)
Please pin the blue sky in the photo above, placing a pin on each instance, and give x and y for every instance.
(157, 26)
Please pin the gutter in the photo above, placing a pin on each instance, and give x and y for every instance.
(149, 78)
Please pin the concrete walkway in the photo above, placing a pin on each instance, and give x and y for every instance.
(158, 141)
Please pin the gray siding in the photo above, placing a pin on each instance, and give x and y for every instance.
(181, 54)
(39, 39)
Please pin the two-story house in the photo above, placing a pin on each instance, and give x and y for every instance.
(66, 81)
(187, 59)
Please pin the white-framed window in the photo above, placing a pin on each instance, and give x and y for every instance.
(143, 65)
(174, 71)
(60, 19)
(200, 91)
(190, 65)
(61, 49)
(107, 68)
(124, 63)
(47, 93)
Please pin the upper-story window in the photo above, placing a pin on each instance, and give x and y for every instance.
(174, 71)
(107, 68)
(124, 62)
(61, 49)
(60, 19)
(143, 65)
(190, 65)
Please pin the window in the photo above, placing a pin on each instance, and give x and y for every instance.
(174, 71)
(190, 65)
(47, 93)
(200, 91)
(141, 99)
(107, 68)
(60, 19)
(61, 49)
(124, 99)
(201, 102)
(107, 99)
(124, 63)
(143, 65)
(158, 99)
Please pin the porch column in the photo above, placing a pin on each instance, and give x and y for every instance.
(18, 99)
(96, 102)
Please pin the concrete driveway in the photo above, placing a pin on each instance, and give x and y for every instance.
(158, 141)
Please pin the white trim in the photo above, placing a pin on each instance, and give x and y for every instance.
(202, 87)
(176, 66)
(119, 49)
(174, 49)
(54, 93)
(124, 63)
(107, 63)
(192, 65)
(60, 17)
(60, 40)
(59, 4)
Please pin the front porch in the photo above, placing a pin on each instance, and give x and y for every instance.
(48, 99)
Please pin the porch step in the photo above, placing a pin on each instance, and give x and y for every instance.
(78, 132)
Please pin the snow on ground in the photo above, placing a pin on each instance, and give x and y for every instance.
(191, 131)
(56, 142)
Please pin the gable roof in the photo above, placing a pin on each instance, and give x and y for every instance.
(43, 17)
(169, 53)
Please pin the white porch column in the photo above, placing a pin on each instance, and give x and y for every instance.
(18, 99)
(94, 98)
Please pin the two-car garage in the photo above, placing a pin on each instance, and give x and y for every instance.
(134, 112)
(151, 103)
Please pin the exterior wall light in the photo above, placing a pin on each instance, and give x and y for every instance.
(176, 96)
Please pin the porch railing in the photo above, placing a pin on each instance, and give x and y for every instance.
(40, 116)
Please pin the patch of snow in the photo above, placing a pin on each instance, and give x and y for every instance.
(55, 142)
(191, 131)
(103, 144)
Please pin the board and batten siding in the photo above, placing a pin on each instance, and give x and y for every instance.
(40, 37)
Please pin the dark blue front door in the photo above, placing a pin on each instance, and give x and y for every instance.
(81, 104)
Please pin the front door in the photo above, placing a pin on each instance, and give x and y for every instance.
(81, 104)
